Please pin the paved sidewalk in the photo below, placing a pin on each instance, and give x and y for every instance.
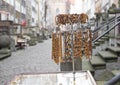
(33, 59)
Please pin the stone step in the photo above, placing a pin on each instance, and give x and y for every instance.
(108, 56)
(105, 38)
(113, 36)
(107, 75)
(93, 46)
(101, 41)
(2, 56)
(101, 82)
(97, 62)
(118, 43)
(87, 66)
(97, 43)
(104, 75)
(116, 72)
(114, 49)
(117, 37)
(104, 82)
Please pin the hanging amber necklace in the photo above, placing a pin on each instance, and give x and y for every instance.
(87, 44)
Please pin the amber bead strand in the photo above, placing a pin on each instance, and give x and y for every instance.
(55, 47)
(60, 47)
(80, 44)
(53, 42)
(88, 48)
(86, 45)
(67, 46)
(75, 44)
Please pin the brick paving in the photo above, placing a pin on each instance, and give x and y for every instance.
(33, 59)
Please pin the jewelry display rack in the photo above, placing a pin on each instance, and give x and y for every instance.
(77, 40)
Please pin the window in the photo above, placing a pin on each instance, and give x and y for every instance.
(32, 19)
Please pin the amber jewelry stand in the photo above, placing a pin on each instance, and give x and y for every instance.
(79, 20)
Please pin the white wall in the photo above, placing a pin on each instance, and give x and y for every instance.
(77, 7)
(34, 14)
(17, 5)
(83, 7)
(11, 17)
(89, 8)
(52, 11)
(11, 2)
(92, 9)
(23, 10)
(105, 3)
(4, 17)
(41, 11)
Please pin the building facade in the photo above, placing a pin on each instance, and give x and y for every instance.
(23, 14)
(34, 12)
(83, 6)
(59, 7)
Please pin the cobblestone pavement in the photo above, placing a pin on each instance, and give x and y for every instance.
(33, 59)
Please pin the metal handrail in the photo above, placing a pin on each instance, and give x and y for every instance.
(109, 20)
(113, 27)
(104, 25)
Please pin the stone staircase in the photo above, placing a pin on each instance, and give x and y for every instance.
(108, 56)
(97, 62)
(104, 54)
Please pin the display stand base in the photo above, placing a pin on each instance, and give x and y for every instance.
(68, 66)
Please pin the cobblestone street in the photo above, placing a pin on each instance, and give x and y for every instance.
(36, 59)
(33, 59)
(60, 36)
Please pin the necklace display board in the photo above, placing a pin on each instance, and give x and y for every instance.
(74, 42)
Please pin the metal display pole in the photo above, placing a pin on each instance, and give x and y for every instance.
(72, 53)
